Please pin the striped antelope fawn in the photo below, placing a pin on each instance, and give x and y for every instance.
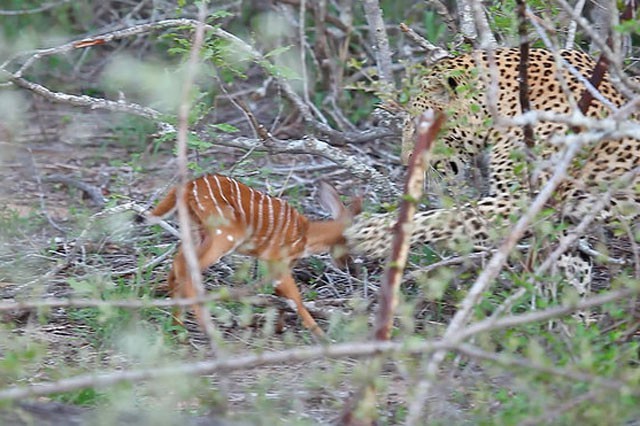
(232, 217)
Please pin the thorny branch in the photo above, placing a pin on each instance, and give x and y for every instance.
(342, 350)
(428, 126)
(484, 280)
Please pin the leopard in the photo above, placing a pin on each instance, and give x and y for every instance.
(474, 88)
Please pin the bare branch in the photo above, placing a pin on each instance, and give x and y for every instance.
(310, 145)
(484, 280)
(128, 304)
(512, 361)
(187, 248)
(433, 53)
(373, 13)
(491, 324)
(429, 124)
(573, 25)
(335, 351)
(523, 68)
(89, 101)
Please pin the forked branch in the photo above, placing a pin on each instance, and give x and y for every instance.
(428, 126)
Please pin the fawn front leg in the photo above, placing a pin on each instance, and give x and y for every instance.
(285, 286)
(210, 250)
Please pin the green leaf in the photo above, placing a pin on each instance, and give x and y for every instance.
(225, 127)
(277, 51)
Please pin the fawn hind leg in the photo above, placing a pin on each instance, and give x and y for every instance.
(285, 286)
(211, 249)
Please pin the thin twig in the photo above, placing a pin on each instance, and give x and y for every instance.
(224, 295)
(492, 324)
(291, 356)
(94, 193)
(39, 9)
(188, 248)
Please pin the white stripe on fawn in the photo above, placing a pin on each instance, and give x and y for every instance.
(252, 202)
(220, 191)
(270, 218)
(282, 222)
(213, 198)
(296, 230)
(239, 200)
(194, 190)
(260, 213)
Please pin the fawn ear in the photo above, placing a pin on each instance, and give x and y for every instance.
(330, 200)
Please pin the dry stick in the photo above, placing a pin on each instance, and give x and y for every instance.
(340, 351)
(285, 357)
(242, 46)
(487, 44)
(467, 22)
(599, 128)
(226, 295)
(602, 45)
(380, 183)
(373, 13)
(427, 130)
(569, 67)
(89, 101)
(188, 249)
(93, 192)
(484, 280)
(573, 25)
(603, 61)
(523, 68)
(433, 53)
(602, 202)
(223, 295)
(569, 239)
(428, 126)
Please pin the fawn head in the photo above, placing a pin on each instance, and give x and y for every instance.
(328, 235)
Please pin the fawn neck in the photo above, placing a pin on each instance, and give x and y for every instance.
(322, 235)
